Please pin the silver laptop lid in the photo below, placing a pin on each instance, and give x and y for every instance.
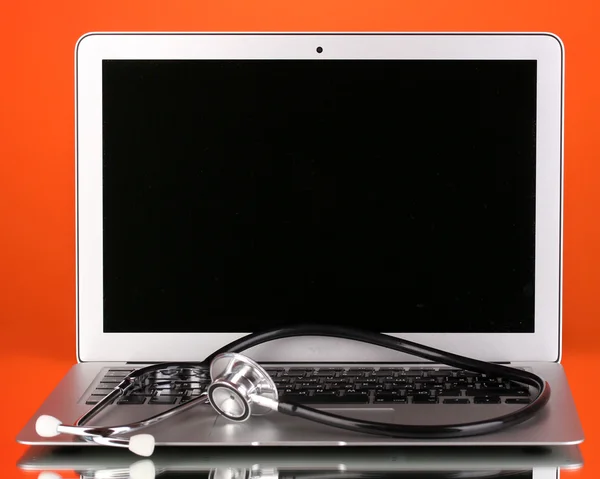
(407, 183)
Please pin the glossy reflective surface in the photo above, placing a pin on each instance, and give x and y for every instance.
(305, 463)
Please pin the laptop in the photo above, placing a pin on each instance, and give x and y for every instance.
(409, 184)
(303, 463)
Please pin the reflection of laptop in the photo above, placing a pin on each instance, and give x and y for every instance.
(305, 463)
(404, 183)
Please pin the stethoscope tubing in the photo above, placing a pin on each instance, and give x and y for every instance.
(136, 378)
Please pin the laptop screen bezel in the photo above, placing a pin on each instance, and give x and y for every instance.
(93, 344)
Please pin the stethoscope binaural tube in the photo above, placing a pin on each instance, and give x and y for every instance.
(48, 426)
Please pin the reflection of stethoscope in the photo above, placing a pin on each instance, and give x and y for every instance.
(146, 470)
(240, 388)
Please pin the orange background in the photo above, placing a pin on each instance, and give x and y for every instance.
(37, 247)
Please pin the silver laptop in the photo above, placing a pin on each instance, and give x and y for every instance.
(403, 183)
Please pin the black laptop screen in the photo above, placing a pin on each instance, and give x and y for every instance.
(393, 195)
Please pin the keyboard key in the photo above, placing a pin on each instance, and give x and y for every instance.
(367, 381)
(282, 380)
(291, 390)
(188, 384)
(295, 373)
(403, 380)
(390, 397)
(517, 401)
(450, 392)
(398, 385)
(425, 380)
(142, 392)
(164, 387)
(163, 400)
(487, 400)
(442, 373)
(308, 381)
(352, 377)
(424, 400)
(489, 385)
(457, 401)
(173, 392)
(387, 379)
(523, 392)
(310, 387)
(459, 386)
(327, 372)
(344, 379)
(384, 373)
(115, 373)
(357, 397)
(419, 393)
(496, 392)
(338, 386)
(132, 400)
(362, 392)
(414, 373)
(103, 390)
(323, 393)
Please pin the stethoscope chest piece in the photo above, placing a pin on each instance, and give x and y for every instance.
(235, 379)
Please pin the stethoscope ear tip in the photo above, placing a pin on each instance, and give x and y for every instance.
(47, 426)
(142, 470)
(142, 444)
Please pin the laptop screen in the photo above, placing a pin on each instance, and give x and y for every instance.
(397, 196)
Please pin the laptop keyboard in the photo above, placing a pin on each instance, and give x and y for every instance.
(343, 386)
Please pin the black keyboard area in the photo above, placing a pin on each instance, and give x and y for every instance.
(341, 385)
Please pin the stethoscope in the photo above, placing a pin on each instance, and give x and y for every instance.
(241, 388)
